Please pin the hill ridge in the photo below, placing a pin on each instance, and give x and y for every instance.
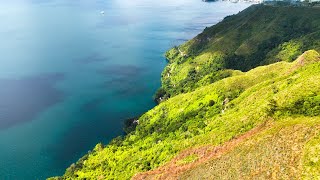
(259, 35)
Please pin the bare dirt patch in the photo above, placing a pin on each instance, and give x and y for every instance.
(174, 168)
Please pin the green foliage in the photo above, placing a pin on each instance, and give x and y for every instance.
(311, 159)
(272, 107)
(259, 35)
(212, 114)
(306, 105)
(289, 51)
(206, 103)
(130, 125)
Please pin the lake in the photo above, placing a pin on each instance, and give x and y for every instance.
(72, 71)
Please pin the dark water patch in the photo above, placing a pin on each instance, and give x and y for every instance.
(117, 81)
(22, 99)
(93, 58)
(122, 70)
(125, 87)
(101, 127)
(130, 91)
(151, 26)
(92, 105)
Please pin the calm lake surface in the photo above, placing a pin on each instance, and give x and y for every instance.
(70, 75)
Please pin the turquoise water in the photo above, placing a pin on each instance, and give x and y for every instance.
(70, 75)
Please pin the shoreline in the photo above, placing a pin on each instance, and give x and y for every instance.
(130, 124)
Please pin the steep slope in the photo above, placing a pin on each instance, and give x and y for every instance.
(284, 149)
(281, 152)
(214, 115)
(222, 120)
(259, 35)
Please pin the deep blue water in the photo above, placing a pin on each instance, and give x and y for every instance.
(70, 75)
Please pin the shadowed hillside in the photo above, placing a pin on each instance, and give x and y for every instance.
(259, 35)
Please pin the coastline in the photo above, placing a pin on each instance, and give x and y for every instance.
(129, 126)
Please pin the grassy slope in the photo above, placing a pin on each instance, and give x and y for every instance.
(259, 35)
(289, 149)
(268, 93)
(275, 150)
(217, 111)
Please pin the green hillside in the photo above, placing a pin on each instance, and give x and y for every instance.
(281, 92)
(223, 123)
(259, 35)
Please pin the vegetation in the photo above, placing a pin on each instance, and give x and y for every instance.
(268, 93)
(211, 105)
(275, 153)
(259, 35)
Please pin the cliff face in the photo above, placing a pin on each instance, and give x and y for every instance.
(223, 123)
